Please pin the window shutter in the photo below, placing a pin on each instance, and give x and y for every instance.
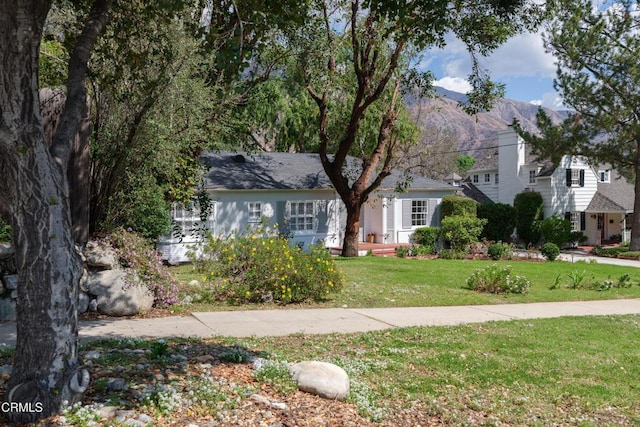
(282, 214)
(583, 221)
(434, 212)
(322, 218)
(567, 216)
(568, 177)
(406, 213)
(581, 177)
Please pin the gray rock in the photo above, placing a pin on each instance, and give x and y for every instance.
(84, 279)
(108, 411)
(100, 256)
(117, 384)
(83, 302)
(145, 418)
(322, 379)
(7, 309)
(10, 281)
(119, 293)
(6, 250)
(93, 305)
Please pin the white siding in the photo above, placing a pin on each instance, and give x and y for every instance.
(570, 199)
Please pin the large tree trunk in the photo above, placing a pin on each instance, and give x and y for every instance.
(46, 371)
(352, 230)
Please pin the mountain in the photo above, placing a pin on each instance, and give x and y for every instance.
(473, 133)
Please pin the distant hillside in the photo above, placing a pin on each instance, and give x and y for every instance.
(473, 132)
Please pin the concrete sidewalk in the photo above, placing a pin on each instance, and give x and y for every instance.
(261, 323)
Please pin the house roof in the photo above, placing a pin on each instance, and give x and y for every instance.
(287, 171)
(614, 196)
(468, 189)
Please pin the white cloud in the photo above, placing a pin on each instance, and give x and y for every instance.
(550, 100)
(456, 84)
(522, 56)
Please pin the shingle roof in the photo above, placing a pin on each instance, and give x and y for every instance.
(614, 196)
(473, 192)
(286, 171)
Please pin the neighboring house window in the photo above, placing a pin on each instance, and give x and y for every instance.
(532, 177)
(604, 176)
(487, 177)
(419, 213)
(255, 212)
(497, 179)
(578, 220)
(575, 177)
(475, 179)
(302, 216)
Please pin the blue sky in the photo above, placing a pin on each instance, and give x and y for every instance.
(521, 64)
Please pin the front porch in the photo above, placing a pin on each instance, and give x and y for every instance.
(377, 249)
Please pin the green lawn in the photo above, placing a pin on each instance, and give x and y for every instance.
(398, 282)
(566, 371)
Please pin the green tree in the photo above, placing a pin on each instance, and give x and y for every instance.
(465, 163)
(528, 209)
(597, 46)
(378, 38)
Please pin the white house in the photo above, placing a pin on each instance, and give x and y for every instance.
(597, 200)
(293, 191)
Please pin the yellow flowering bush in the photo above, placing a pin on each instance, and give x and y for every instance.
(258, 266)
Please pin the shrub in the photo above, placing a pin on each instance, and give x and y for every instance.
(550, 251)
(629, 255)
(458, 205)
(459, 231)
(141, 207)
(577, 238)
(497, 280)
(5, 231)
(556, 230)
(609, 252)
(255, 266)
(136, 253)
(402, 251)
(499, 251)
(501, 221)
(451, 254)
(426, 236)
(528, 207)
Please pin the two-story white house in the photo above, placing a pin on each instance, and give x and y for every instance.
(596, 199)
(292, 191)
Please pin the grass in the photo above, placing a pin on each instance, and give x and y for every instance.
(396, 282)
(566, 371)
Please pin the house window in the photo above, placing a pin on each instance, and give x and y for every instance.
(255, 212)
(188, 222)
(476, 179)
(604, 176)
(578, 220)
(302, 216)
(575, 177)
(487, 177)
(497, 179)
(532, 177)
(419, 213)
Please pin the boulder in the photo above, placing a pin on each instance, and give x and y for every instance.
(83, 302)
(322, 379)
(10, 281)
(6, 250)
(100, 256)
(119, 293)
(7, 309)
